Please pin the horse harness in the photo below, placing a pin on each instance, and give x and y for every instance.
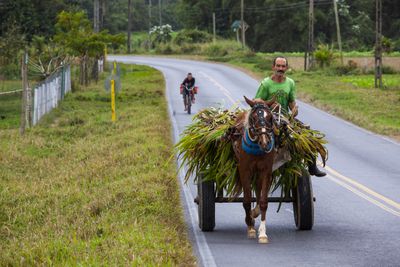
(250, 145)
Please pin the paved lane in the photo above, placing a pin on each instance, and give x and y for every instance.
(357, 213)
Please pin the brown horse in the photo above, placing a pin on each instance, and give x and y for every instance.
(255, 152)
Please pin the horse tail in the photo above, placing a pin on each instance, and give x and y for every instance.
(238, 188)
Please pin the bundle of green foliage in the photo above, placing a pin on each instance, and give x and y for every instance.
(205, 149)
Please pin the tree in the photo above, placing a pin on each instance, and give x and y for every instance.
(75, 34)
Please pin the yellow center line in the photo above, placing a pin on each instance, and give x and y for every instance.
(351, 185)
(364, 196)
(219, 86)
(364, 188)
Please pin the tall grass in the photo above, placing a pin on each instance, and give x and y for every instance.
(80, 190)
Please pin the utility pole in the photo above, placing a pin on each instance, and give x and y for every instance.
(149, 15)
(96, 15)
(102, 13)
(310, 47)
(214, 36)
(159, 11)
(339, 37)
(25, 111)
(378, 45)
(242, 22)
(129, 25)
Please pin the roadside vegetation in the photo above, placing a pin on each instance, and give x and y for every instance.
(78, 189)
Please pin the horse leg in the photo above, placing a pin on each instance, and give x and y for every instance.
(256, 211)
(245, 178)
(265, 185)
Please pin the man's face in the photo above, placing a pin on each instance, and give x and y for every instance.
(280, 66)
(189, 77)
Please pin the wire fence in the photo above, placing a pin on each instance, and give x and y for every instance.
(47, 94)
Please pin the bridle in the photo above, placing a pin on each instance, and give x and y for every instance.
(259, 125)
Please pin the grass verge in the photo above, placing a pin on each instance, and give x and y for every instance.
(80, 190)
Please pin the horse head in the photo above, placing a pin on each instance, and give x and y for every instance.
(260, 123)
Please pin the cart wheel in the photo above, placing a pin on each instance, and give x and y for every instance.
(303, 205)
(206, 207)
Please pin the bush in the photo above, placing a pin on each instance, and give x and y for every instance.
(190, 48)
(192, 36)
(221, 49)
(387, 45)
(264, 64)
(388, 70)
(350, 68)
(216, 50)
(161, 34)
(324, 55)
(164, 49)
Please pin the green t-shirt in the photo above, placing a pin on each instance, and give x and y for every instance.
(285, 92)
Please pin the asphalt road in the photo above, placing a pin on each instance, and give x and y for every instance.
(357, 208)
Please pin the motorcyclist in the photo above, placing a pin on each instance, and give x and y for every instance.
(188, 82)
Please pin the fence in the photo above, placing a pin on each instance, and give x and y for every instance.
(48, 93)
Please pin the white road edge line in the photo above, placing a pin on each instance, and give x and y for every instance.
(354, 184)
(309, 106)
(206, 256)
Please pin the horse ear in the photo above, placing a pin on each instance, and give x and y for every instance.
(250, 102)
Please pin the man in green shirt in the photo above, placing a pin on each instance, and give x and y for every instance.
(283, 88)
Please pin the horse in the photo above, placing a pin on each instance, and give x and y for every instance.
(255, 152)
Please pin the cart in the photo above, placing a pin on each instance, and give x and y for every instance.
(301, 196)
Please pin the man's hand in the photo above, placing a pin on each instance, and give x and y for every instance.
(294, 109)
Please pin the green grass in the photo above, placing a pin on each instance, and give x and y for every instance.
(10, 105)
(368, 81)
(354, 98)
(80, 190)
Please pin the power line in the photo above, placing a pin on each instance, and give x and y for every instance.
(277, 8)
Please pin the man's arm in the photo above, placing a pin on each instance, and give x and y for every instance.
(262, 93)
(292, 99)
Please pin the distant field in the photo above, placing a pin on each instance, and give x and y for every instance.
(366, 61)
(354, 98)
(79, 190)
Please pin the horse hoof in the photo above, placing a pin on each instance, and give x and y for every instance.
(251, 233)
(263, 240)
